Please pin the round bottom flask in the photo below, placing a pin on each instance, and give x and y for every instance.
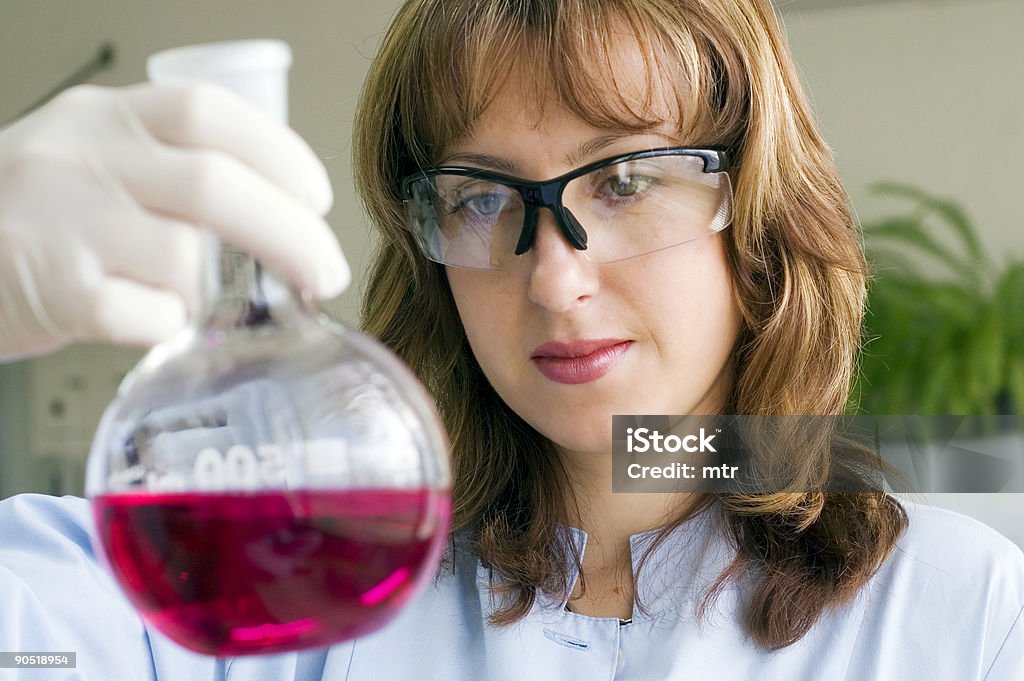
(268, 480)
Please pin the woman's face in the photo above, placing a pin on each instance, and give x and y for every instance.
(669, 317)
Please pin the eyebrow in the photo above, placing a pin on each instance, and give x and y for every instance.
(575, 158)
(588, 149)
(485, 160)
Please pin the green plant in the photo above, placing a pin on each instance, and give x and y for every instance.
(945, 323)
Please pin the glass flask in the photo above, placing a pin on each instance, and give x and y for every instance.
(268, 480)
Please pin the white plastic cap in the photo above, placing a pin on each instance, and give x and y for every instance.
(254, 69)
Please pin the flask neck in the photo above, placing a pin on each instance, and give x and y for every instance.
(238, 293)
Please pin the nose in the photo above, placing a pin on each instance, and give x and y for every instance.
(560, 276)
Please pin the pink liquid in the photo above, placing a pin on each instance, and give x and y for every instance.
(239, 573)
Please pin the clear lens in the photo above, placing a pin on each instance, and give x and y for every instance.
(466, 221)
(627, 209)
(648, 204)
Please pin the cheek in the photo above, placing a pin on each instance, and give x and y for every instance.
(486, 321)
(693, 291)
(693, 316)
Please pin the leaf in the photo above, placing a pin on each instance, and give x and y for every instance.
(937, 385)
(1010, 298)
(950, 212)
(948, 344)
(959, 403)
(1015, 382)
(986, 355)
(885, 261)
(911, 232)
(896, 395)
(935, 302)
(958, 306)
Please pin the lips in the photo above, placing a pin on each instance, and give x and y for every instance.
(579, 361)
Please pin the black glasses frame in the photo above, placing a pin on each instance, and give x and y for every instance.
(548, 193)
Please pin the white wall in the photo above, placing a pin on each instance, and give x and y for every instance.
(930, 93)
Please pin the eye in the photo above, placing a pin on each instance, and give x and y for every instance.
(627, 185)
(625, 181)
(478, 199)
(487, 203)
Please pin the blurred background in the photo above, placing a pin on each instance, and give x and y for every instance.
(920, 99)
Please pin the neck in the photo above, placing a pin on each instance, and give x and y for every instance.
(604, 514)
(238, 293)
(611, 518)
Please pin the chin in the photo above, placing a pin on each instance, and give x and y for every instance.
(597, 438)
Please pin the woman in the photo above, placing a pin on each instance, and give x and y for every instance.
(760, 318)
(501, 148)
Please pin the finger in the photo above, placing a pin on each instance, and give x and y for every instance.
(128, 313)
(159, 252)
(212, 189)
(206, 116)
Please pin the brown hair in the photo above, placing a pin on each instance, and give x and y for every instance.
(793, 248)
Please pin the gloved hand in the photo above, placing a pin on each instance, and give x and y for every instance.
(103, 193)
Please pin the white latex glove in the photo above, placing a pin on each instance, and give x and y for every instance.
(102, 195)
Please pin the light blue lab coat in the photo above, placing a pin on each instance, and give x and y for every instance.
(947, 605)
